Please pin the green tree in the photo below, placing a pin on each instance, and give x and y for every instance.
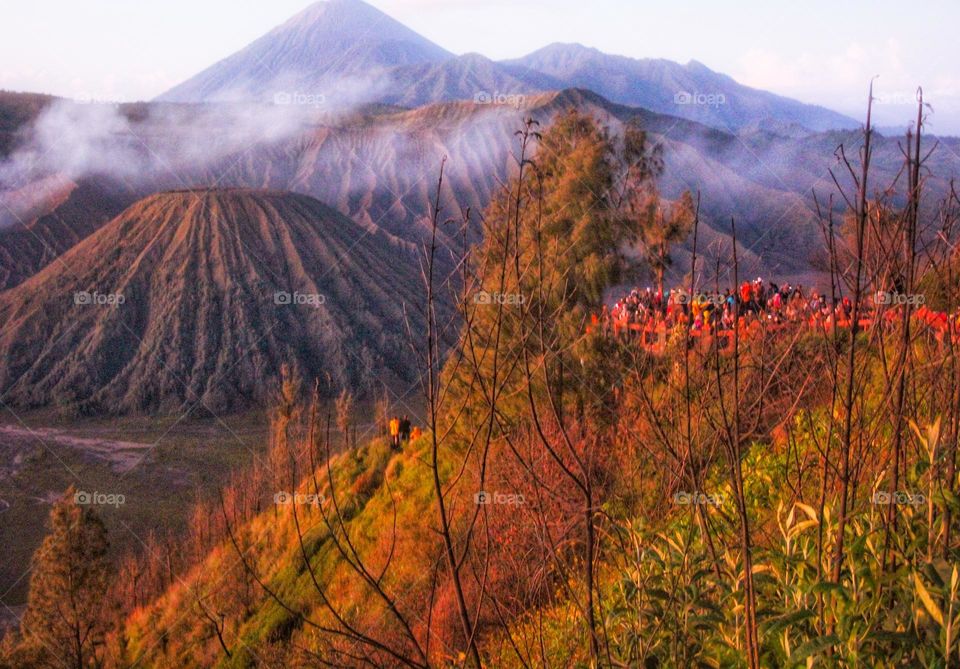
(66, 617)
(584, 232)
(659, 225)
(556, 237)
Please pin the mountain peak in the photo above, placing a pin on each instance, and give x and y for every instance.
(325, 45)
(697, 66)
(565, 50)
(568, 46)
(335, 11)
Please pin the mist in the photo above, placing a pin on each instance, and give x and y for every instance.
(135, 144)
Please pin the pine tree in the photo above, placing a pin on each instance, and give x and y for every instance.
(66, 617)
(659, 225)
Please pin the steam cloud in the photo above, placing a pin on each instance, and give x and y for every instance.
(134, 144)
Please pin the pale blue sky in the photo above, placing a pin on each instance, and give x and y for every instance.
(821, 51)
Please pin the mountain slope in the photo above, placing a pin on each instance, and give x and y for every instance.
(468, 77)
(690, 91)
(44, 219)
(185, 306)
(381, 170)
(16, 111)
(379, 167)
(331, 43)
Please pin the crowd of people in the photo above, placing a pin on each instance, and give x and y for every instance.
(752, 302)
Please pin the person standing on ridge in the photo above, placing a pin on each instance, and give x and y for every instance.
(405, 429)
(395, 432)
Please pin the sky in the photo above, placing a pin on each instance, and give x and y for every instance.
(818, 51)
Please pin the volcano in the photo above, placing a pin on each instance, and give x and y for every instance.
(196, 298)
(333, 48)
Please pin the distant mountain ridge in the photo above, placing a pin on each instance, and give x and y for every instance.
(691, 91)
(342, 53)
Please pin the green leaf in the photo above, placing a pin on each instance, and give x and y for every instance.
(809, 510)
(931, 606)
(886, 636)
(829, 587)
(788, 619)
(813, 647)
